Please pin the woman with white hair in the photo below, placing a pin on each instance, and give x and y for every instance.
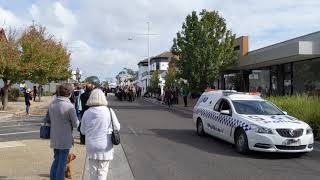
(97, 128)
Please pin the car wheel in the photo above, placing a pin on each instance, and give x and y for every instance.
(241, 141)
(200, 130)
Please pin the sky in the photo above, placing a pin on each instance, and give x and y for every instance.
(96, 31)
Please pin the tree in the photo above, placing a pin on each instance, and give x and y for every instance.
(171, 76)
(154, 81)
(205, 48)
(131, 72)
(49, 60)
(127, 74)
(93, 80)
(10, 63)
(105, 84)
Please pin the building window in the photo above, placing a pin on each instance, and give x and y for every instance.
(237, 48)
(306, 77)
(287, 81)
(260, 80)
(158, 66)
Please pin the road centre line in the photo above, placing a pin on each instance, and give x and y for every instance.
(26, 132)
(133, 131)
(19, 125)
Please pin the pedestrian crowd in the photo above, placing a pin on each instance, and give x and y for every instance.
(31, 94)
(129, 93)
(84, 108)
(171, 96)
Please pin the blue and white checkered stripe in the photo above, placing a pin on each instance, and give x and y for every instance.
(226, 120)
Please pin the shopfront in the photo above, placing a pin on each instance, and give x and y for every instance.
(288, 68)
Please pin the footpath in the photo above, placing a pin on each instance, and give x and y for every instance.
(18, 108)
(31, 159)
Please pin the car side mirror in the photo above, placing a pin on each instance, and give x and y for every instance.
(225, 112)
(285, 112)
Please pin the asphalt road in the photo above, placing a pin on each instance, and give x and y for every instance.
(162, 144)
(21, 128)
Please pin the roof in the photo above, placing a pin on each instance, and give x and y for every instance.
(3, 35)
(301, 38)
(145, 61)
(165, 54)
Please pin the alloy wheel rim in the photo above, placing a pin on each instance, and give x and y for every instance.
(241, 141)
(200, 127)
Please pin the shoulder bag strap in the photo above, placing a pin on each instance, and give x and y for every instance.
(111, 119)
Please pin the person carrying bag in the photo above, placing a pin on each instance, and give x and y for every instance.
(101, 127)
(45, 128)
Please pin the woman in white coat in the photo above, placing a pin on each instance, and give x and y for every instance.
(97, 128)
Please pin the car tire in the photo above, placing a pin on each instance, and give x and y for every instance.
(200, 130)
(241, 141)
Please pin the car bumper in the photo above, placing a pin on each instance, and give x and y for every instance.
(275, 143)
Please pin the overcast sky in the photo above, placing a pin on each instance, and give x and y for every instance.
(97, 31)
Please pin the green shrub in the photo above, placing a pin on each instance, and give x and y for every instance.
(305, 108)
(14, 94)
(47, 93)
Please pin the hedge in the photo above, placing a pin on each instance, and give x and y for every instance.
(305, 108)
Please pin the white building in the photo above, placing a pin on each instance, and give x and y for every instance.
(143, 75)
(159, 62)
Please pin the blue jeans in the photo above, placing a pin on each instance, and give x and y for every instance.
(59, 164)
(27, 109)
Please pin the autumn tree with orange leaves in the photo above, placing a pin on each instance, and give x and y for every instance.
(10, 63)
(36, 56)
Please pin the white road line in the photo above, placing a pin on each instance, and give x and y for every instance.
(26, 132)
(21, 120)
(19, 125)
(11, 144)
(133, 131)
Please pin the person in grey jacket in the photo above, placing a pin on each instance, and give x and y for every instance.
(97, 128)
(62, 118)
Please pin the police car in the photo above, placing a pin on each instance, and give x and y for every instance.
(251, 123)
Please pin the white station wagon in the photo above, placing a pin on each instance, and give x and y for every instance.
(251, 123)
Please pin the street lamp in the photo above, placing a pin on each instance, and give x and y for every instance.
(148, 38)
(78, 75)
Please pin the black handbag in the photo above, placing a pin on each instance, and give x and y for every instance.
(115, 136)
(45, 132)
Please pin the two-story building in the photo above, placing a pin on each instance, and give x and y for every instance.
(160, 63)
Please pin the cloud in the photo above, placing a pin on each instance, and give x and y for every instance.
(7, 18)
(97, 31)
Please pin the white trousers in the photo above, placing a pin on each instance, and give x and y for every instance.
(98, 169)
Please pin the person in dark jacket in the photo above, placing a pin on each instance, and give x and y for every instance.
(35, 92)
(27, 99)
(168, 96)
(84, 98)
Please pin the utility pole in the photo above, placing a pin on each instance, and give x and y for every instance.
(148, 79)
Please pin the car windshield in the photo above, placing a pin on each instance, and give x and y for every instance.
(256, 107)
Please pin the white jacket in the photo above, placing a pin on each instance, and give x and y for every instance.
(97, 128)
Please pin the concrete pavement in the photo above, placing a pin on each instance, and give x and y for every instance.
(23, 155)
(17, 108)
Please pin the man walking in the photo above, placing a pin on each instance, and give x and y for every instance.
(185, 94)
